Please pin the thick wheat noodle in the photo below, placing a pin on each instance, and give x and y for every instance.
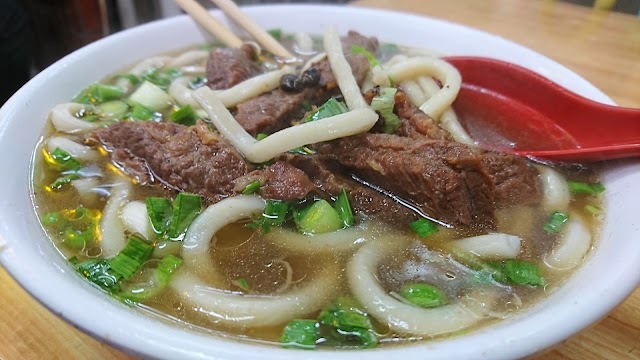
(572, 245)
(64, 119)
(350, 123)
(332, 242)
(242, 310)
(401, 317)
(78, 151)
(555, 190)
(111, 228)
(492, 246)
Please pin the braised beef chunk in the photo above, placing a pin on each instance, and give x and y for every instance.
(457, 194)
(329, 179)
(415, 123)
(179, 157)
(282, 181)
(449, 181)
(227, 67)
(274, 111)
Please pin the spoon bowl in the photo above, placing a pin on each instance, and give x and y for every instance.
(510, 108)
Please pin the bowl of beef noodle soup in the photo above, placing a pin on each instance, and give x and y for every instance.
(180, 199)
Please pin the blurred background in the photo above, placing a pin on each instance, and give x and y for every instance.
(36, 33)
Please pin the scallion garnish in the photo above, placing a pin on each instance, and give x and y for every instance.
(98, 272)
(519, 272)
(303, 150)
(319, 218)
(186, 208)
(134, 80)
(580, 187)
(343, 207)
(62, 160)
(129, 259)
(300, 334)
(274, 214)
(98, 93)
(330, 108)
(252, 188)
(345, 324)
(424, 227)
(162, 77)
(275, 33)
(78, 227)
(593, 210)
(185, 116)
(556, 222)
(158, 280)
(241, 283)
(423, 295)
(139, 112)
(198, 82)
(373, 61)
(160, 212)
(261, 136)
(384, 104)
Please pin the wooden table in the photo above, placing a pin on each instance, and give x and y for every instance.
(602, 47)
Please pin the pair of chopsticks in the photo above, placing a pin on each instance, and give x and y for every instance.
(217, 29)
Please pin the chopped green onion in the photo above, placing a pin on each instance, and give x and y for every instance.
(318, 218)
(139, 112)
(252, 188)
(241, 283)
(160, 212)
(423, 295)
(261, 136)
(134, 80)
(162, 77)
(330, 108)
(520, 272)
(158, 280)
(424, 227)
(556, 222)
(347, 325)
(112, 110)
(186, 208)
(384, 104)
(129, 259)
(78, 227)
(185, 116)
(343, 207)
(198, 82)
(593, 210)
(98, 93)
(62, 181)
(303, 150)
(150, 96)
(306, 105)
(274, 214)
(300, 334)
(373, 61)
(62, 160)
(580, 187)
(474, 262)
(98, 272)
(275, 33)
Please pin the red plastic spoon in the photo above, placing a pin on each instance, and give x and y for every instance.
(510, 108)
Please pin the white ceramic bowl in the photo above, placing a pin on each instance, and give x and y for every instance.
(607, 277)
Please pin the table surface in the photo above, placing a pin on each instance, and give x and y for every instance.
(602, 47)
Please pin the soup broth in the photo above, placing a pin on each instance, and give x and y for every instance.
(353, 286)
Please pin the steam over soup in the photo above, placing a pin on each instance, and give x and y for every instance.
(331, 201)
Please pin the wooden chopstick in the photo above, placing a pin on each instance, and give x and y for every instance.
(210, 23)
(258, 33)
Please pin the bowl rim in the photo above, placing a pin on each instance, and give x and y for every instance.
(147, 342)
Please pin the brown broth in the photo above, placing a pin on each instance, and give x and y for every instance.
(242, 254)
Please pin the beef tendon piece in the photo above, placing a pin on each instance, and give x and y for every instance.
(227, 67)
(182, 158)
